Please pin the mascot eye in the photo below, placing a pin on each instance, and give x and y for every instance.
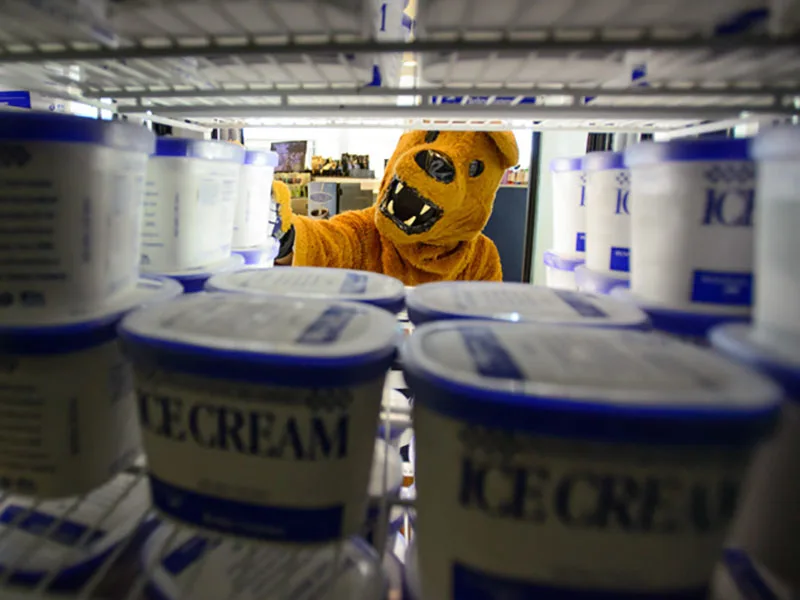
(475, 168)
(431, 136)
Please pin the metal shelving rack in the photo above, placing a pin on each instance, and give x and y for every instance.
(207, 63)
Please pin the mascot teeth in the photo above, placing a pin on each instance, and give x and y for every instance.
(408, 209)
(425, 209)
(410, 221)
(399, 187)
(390, 207)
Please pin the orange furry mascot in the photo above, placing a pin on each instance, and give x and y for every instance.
(434, 200)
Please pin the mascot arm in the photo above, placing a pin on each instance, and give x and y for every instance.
(313, 243)
(486, 264)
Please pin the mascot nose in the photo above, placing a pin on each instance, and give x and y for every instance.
(437, 165)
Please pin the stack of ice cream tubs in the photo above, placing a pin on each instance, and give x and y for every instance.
(569, 223)
(70, 212)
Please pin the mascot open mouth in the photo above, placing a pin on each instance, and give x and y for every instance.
(410, 211)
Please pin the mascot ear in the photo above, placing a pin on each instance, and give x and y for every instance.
(507, 145)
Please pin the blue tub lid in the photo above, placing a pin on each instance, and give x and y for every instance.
(518, 302)
(599, 283)
(31, 126)
(261, 158)
(387, 470)
(778, 143)
(586, 383)
(217, 568)
(315, 282)
(205, 149)
(233, 262)
(264, 339)
(742, 342)
(564, 164)
(563, 262)
(678, 322)
(603, 161)
(60, 334)
(702, 149)
(80, 543)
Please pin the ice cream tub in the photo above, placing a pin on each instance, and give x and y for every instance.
(569, 206)
(190, 203)
(315, 282)
(66, 393)
(260, 256)
(560, 269)
(69, 539)
(231, 384)
(572, 461)
(692, 229)
(740, 577)
(777, 245)
(385, 480)
(519, 302)
(194, 280)
(70, 209)
(186, 565)
(596, 282)
(767, 525)
(255, 197)
(608, 222)
(689, 326)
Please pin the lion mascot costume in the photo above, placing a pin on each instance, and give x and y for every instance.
(434, 200)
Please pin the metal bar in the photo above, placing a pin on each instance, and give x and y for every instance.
(502, 44)
(144, 114)
(470, 111)
(714, 127)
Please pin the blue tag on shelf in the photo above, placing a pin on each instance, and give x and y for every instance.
(620, 259)
(720, 287)
(18, 99)
(580, 242)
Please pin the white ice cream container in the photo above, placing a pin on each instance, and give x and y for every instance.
(777, 244)
(689, 326)
(768, 524)
(572, 460)
(194, 280)
(519, 302)
(255, 196)
(232, 384)
(692, 228)
(399, 409)
(596, 282)
(413, 588)
(315, 282)
(560, 269)
(260, 256)
(70, 207)
(385, 480)
(569, 206)
(69, 539)
(608, 223)
(186, 565)
(66, 392)
(739, 577)
(190, 203)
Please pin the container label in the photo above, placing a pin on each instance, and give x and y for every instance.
(66, 532)
(488, 354)
(620, 259)
(188, 553)
(354, 283)
(205, 439)
(580, 241)
(719, 287)
(329, 326)
(582, 304)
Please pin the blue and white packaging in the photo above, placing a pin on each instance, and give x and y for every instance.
(69, 538)
(739, 577)
(186, 565)
(255, 199)
(767, 524)
(689, 326)
(560, 269)
(262, 256)
(70, 208)
(692, 227)
(190, 203)
(194, 280)
(608, 223)
(385, 481)
(519, 302)
(777, 244)
(231, 384)
(67, 393)
(315, 282)
(595, 282)
(569, 206)
(571, 461)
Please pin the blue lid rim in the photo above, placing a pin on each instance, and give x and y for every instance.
(603, 283)
(696, 150)
(571, 419)
(37, 126)
(553, 259)
(603, 161)
(740, 348)
(566, 164)
(215, 150)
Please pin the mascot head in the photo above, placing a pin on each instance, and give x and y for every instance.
(439, 186)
